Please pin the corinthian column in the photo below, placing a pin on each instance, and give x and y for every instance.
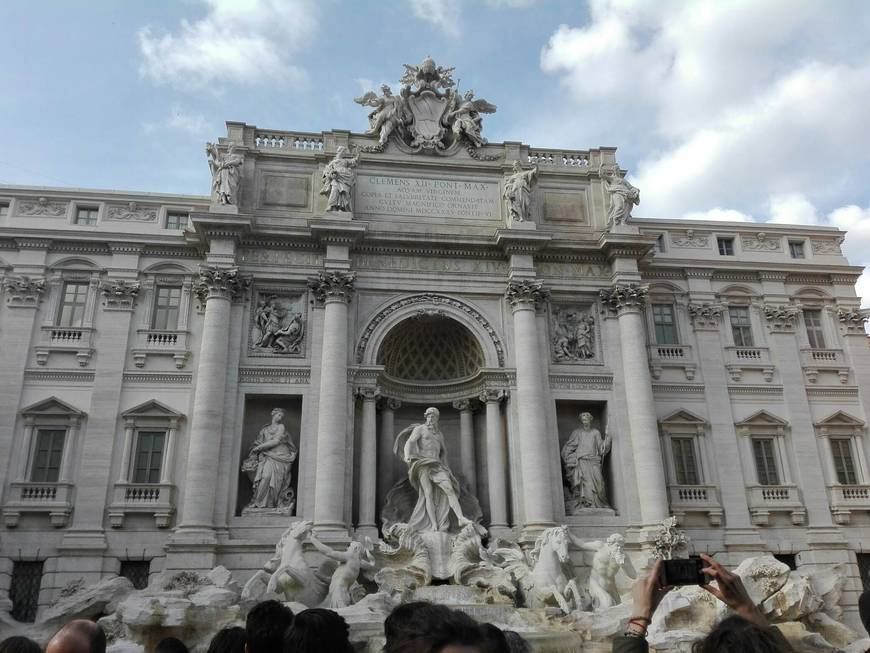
(466, 442)
(496, 460)
(368, 473)
(535, 442)
(628, 302)
(215, 287)
(332, 289)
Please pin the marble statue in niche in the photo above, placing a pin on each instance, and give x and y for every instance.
(573, 335)
(518, 192)
(268, 465)
(277, 328)
(225, 172)
(623, 197)
(339, 177)
(431, 498)
(582, 458)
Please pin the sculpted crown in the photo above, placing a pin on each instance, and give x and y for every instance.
(214, 281)
(624, 296)
(526, 292)
(332, 285)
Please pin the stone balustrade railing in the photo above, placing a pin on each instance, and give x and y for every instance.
(822, 357)
(155, 499)
(765, 499)
(563, 158)
(150, 342)
(278, 140)
(845, 499)
(54, 499)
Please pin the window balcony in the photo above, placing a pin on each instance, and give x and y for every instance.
(156, 499)
(824, 360)
(671, 356)
(742, 359)
(76, 340)
(846, 498)
(765, 499)
(696, 498)
(55, 499)
(154, 342)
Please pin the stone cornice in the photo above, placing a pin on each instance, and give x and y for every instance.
(217, 226)
(126, 248)
(636, 246)
(515, 241)
(332, 285)
(282, 375)
(336, 232)
(33, 243)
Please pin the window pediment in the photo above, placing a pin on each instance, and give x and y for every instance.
(762, 423)
(52, 407)
(152, 410)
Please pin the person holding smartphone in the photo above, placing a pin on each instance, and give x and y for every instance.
(746, 630)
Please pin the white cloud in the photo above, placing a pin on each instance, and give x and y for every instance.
(245, 42)
(443, 14)
(856, 222)
(792, 208)
(180, 119)
(724, 104)
(512, 4)
(719, 215)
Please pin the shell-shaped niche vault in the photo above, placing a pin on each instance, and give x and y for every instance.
(430, 348)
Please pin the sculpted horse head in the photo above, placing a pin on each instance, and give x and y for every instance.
(552, 541)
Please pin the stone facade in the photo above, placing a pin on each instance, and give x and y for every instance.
(729, 368)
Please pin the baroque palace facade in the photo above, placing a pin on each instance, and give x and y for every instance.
(353, 280)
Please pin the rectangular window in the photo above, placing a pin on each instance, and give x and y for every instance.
(47, 456)
(176, 220)
(685, 465)
(813, 322)
(663, 321)
(796, 248)
(72, 306)
(136, 571)
(660, 243)
(741, 326)
(765, 461)
(24, 589)
(726, 246)
(844, 464)
(86, 215)
(149, 455)
(864, 569)
(4, 209)
(167, 299)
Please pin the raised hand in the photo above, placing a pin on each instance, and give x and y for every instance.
(731, 591)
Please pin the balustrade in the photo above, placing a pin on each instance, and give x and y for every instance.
(288, 141)
(156, 499)
(765, 499)
(53, 499)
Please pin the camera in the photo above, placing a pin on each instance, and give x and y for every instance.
(685, 571)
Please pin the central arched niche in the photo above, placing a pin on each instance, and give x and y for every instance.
(430, 348)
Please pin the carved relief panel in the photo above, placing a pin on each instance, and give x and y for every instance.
(278, 321)
(573, 334)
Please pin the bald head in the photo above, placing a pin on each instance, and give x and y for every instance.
(79, 636)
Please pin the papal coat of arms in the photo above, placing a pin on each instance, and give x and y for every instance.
(428, 115)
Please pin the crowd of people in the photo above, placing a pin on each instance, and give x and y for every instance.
(423, 627)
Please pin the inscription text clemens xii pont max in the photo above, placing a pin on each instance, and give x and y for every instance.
(426, 197)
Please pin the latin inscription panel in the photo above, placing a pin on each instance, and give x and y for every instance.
(424, 197)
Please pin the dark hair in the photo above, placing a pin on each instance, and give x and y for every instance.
(496, 642)
(318, 629)
(80, 629)
(19, 644)
(265, 626)
(864, 609)
(738, 634)
(228, 640)
(171, 645)
(428, 628)
(516, 643)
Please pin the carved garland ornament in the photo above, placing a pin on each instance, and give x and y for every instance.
(630, 296)
(42, 206)
(23, 290)
(332, 286)
(214, 281)
(428, 299)
(760, 242)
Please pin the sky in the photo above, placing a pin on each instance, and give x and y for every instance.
(721, 109)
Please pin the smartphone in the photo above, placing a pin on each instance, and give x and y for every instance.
(684, 571)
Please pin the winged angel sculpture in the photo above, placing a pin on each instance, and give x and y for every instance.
(429, 114)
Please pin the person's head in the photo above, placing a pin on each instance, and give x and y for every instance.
(739, 634)
(277, 415)
(228, 640)
(171, 645)
(429, 628)
(469, 94)
(864, 609)
(265, 626)
(586, 419)
(516, 643)
(19, 644)
(385, 89)
(517, 167)
(315, 630)
(432, 415)
(496, 642)
(78, 636)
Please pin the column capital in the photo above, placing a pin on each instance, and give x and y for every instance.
(852, 320)
(780, 318)
(464, 404)
(706, 316)
(624, 298)
(332, 286)
(119, 294)
(368, 393)
(22, 290)
(526, 294)
(216, 281)
(389, 403)
(493, 395)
